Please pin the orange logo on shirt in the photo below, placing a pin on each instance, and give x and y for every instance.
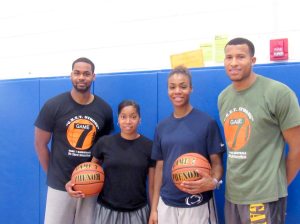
(81, 134)
(237, 128)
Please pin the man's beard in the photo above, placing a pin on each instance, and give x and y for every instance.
(82, 90)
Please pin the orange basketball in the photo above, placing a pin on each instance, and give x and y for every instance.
(89, 178)
(185, 168)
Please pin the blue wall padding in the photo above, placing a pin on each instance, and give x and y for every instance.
(139, 87)
(207, 84)
(289, 74)
(23, 188)
(19, 167)
(50, 87)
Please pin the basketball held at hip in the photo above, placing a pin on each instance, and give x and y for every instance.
(88, 178)
(186, 167)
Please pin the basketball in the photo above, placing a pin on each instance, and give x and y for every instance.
(185, 168)
(89, 178)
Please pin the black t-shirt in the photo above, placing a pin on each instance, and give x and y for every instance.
(75, 128)
(125, 164)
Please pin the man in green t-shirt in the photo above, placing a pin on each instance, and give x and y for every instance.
(259, 116)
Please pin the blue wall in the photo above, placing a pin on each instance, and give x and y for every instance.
(23, 189)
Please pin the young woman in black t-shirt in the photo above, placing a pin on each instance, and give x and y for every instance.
(126, 160)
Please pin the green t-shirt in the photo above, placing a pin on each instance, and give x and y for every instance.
(253, 121)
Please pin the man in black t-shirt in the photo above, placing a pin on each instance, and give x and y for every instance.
(73, 121)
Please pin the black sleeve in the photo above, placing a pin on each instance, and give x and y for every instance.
(97, 150)
(46, 117)
(109, 123)
(214, 139)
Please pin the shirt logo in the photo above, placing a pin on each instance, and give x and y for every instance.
(237, 128)
(195, 199)
(81, 132)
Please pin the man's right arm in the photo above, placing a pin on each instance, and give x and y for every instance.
(41, 140)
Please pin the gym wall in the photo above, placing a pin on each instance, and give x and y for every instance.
(23, 188)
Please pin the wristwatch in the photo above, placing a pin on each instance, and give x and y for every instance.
(217, 183)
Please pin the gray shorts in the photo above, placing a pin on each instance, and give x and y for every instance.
(108, 216)
(62, 208)
(271, 212)
(202, 214)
